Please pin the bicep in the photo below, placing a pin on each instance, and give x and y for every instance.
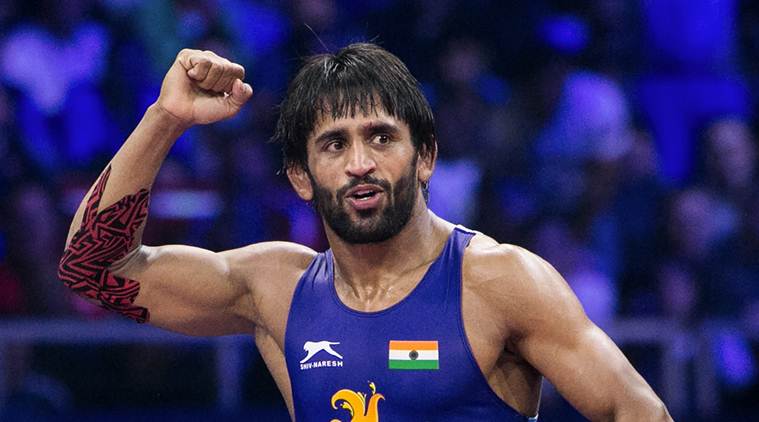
(579, 359)
(587, 369)
(189, 290)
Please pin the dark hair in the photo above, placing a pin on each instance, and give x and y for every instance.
(359, 78)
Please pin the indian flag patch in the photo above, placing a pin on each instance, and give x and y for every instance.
(413, 355)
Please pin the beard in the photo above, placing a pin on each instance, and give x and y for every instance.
(371, 226)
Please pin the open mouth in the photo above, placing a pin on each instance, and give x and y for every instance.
(363, 195)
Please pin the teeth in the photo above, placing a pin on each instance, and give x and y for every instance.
(364, 195)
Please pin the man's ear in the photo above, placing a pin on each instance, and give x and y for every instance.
(426, 159)
(300, 181)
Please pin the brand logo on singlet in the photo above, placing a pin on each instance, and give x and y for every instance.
(312, 348)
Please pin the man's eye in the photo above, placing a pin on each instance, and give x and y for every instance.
(382, 139)
(335, 145)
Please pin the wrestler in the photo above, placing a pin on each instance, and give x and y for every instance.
(405, 317)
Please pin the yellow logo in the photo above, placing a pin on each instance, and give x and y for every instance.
(355, 403)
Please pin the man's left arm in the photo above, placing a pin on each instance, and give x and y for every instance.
(552, 332)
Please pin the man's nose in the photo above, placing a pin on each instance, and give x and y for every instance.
(360, 161)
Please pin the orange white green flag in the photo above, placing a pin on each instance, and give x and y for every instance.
(413, 355)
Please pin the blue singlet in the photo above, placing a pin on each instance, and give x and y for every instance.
(409, 362)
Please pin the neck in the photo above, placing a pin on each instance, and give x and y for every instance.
(373, 268)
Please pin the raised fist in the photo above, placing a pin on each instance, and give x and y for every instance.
(201, 87)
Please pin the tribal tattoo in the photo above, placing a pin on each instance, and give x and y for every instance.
(103, 238)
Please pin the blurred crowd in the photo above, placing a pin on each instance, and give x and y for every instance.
(616, 139)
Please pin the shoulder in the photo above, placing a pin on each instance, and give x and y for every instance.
(272, 261)
(270, 271)
(488, 262)
(517, 284)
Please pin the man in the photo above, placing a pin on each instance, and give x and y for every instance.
(406, 317)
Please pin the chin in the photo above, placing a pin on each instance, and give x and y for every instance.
(366, 230)
(367, 238)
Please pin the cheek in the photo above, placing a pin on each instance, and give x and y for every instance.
(330, 172)
(324, 169)
(324, 182)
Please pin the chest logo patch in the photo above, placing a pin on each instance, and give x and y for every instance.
(312, 348)
(355, 403)
(413, 355)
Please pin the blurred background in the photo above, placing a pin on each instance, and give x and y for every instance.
(617, 139)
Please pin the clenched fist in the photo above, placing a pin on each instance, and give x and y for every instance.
(201, 87)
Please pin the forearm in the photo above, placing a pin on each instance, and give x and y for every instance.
(111, 217)
(136, 164)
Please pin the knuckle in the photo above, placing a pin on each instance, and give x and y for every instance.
(186, 52)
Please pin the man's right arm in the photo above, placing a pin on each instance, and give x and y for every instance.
(199, 292)
(104, 260)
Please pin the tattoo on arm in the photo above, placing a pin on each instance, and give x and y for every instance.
(103, 238)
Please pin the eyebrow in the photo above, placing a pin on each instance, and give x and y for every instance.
(331, 134)
(368, 128)
(380, 126)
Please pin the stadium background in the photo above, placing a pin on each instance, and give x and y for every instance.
(617, 139)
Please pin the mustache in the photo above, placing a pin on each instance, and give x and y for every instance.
(368, 179)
